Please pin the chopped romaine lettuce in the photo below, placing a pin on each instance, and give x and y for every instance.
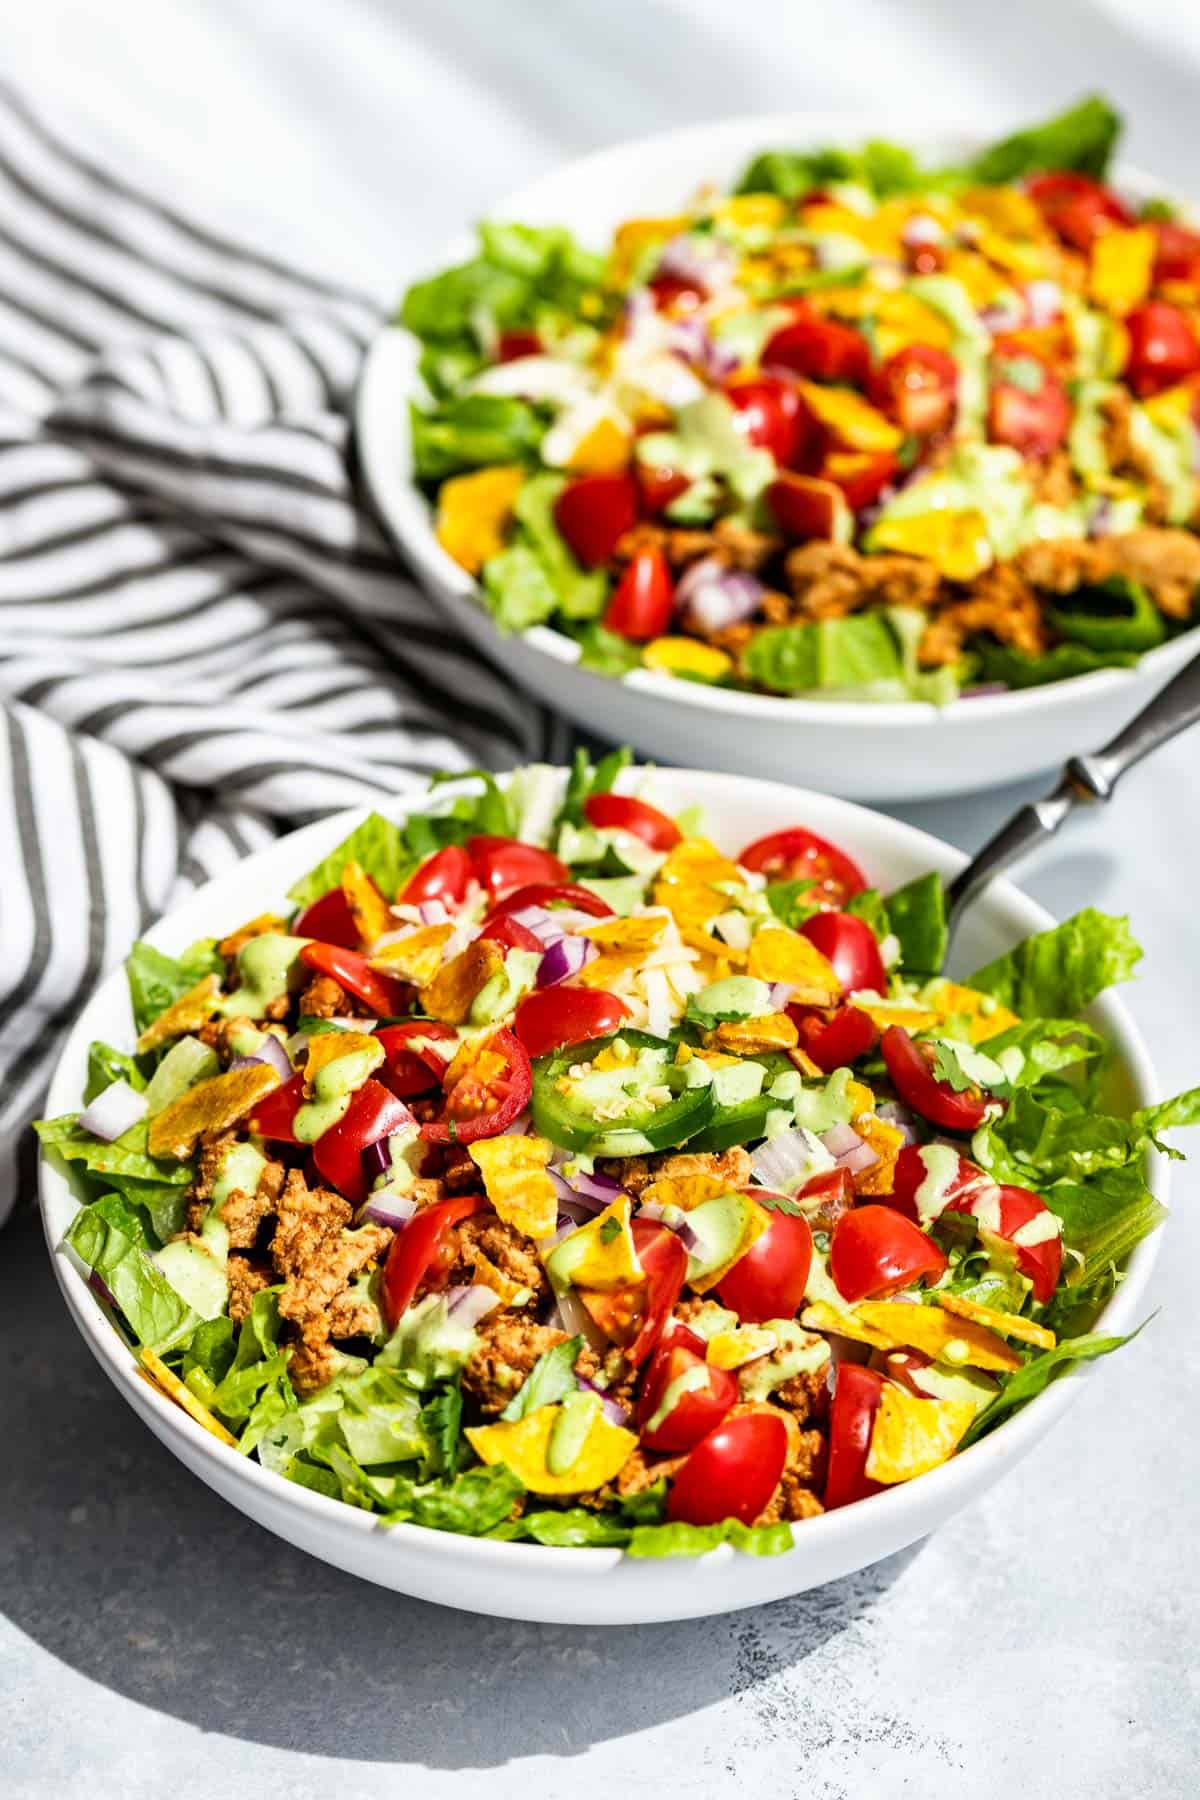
(1059, 972)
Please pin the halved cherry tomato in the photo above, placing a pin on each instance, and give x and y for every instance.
(856, 1393)
(1035, 424)
(807, 506)
(504, 929)
(1178, 254)
(910, 1066)
(821, 348)
(861, 475)
(373, 1113)
(918, 388)
(770, 415)
(636, 1316)
(568, 894)
(504, 864)
(910, 1173)
(694, 1411)
(834, 1037)
(672, 291)
(413, 1065)
(330, 920)
(657, 487)
(732, 1473)
(593, 512)
(621, 812)
(489, 1083)
(1163, 348)
(418, 1249)
(826, 1197)
(644, 599)
(444, 876)
(381, 993)
(875, 1251)
(512, 345)
(1040, 1263)
(555, 1016)
(851, 946)
(769, 1281)
(274, 1117)
(1076, 208)
(800, 855)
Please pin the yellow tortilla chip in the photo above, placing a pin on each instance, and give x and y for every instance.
(474, 512)
(417, 957)
(1006, 209)
(516, 1182)
(1122, 267)
(327, 1046)
(956, 543)
(731, 1349)
(264, 925)
(685, 1191)
(1007, 1324)
(603, 1254)
(208, 1109)
(604, 450)
(752, 212)
(949, 998)
(635, 236)
(911, 1436)
(748, 1037)
(640, 934)
(804, 1062)
(751, 1221)
(940, 1336)
(370, 911)
(188, 1013)
(168, 1383)
(883, 1013)
(821, 1316)
(777, 954)
(523, 1445)
(886, 1141)
(850, 418)
(449, 996)
(485, 1273)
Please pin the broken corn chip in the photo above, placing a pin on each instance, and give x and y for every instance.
(262, 926)
(625, 934)
(1122, 267)
(955, 542)
(1006, 209)
(687, 657)
(730, 1349)
(911, 1436)
(208, 1109)
(604, 450)
(883, 1013)
(748, 1037)
(417, 957)
(485, 1273)
(188, 1013)
(685, 1191)
(634, 237)
(168, 1383)
(450, 994)
(942, 1337)
(603, 1254)
(516, 1182)
(821, 1316)
(327, 1046)
(474, 512)
(748, 212)
(852, 420)
(886, 1141)
(370, 911)
(524, 1445)
(987, 1016)
(777, 954)
(1007, 1324)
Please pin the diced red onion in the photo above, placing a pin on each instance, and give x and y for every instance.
(786, 1161)
(595, 1187)
(1100, 523)
(858, 1160)
(691, 339)
(518, 1128)
(467, 1305)
(101, 1288)
(711, 597)
(576, 1206)
(376, 1159)
(999, 319)
(433, 912)
(113, 1111)
(892, 1113)
(920, 229)
(563, 959)
(840, 1139)
(639, 310)
(394, 1210)
(674, 1219)
(272, 1053)
(612, 1409)
(705, 263)
(1044, 300)
(781, 993)
(546, 928)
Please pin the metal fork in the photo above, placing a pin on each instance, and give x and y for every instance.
(1086, 781)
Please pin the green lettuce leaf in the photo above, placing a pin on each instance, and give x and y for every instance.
(537, 577)
(377, 845)
(441, 1428)
(882, 167)
(1184, 1109)
(521, 273)
(584, 781)
(125, 1161)
(869, 906)
(1082, 138)
(1059, 972)
(1000, 663)
(472, 1503)
(551, 1377)
(832, 654)
(156, 980)
(471, 431)
(103, 1236)
(694, 1540)
(211, 1349)
(606, 652)
(916, 914)
(106, 1065)
(1046, 1046)
(1026, 1383)
(258, 1361)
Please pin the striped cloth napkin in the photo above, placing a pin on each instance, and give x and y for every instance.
(204, 639)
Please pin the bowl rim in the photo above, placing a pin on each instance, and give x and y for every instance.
(390, 355)
(915, 1498)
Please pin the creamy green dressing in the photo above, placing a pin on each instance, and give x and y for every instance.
(577, 1414)
(798, 1352)
(332, 1092)
(941, 1166)
(265, 966)
(241, 1167)
(690, 1382)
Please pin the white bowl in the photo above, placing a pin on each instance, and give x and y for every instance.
(895, 752)
(601, 1587)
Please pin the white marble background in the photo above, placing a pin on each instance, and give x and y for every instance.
(1044, 1644)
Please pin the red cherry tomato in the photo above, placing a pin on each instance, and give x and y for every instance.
(594, 512)
(856, 1393)
(805, 506)
(555, 1016)
(513, 345)
(1178, 254)
(671, 293)
(769, 1281)
(912, 1171)
(504, 929)
(834, 1038)
(904, 1367)
(412, 1065)
(826, 1197)
(636, 1316)
(1000, 1213)
(1035, 424)
(1163, 348)
(732, 1473)
(621, 812)
(1076, 208)
(503, 864)
(373, 1113)
(861, 475)
(918, 388)
(444, 876)
(695, 1411)
(910, 1066)
(274, 1117)
(381, 993)
(550, 894)
(644, 599)
(330, 920)
(487, 1085)
(657, 487)
(821, 348)
(800, 855)
(875, 1251)
(770, 414)
(851, 946)
(418, 1248)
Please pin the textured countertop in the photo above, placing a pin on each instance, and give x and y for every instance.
(153, 1641)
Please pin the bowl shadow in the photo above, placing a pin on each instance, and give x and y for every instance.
(124, 1567)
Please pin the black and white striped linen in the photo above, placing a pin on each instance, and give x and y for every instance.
(204, 639)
